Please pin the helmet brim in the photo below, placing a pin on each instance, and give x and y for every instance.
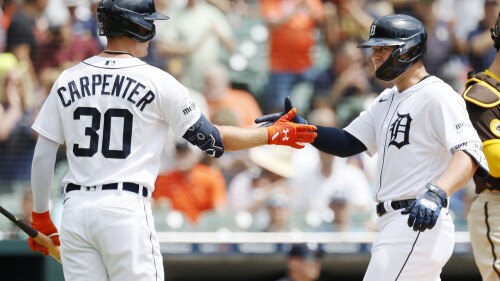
(156, 16)
(380, 42)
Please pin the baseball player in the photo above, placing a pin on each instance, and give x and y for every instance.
(482, 96)
(112, 113)
(427, 150)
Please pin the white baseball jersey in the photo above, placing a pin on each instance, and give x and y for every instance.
(113, 115)
(415, 133)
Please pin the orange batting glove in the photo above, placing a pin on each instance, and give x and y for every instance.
(284, 132)
(44, 224)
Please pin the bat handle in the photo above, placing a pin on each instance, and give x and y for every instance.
(26, 228)
(43, 239)
(39, 237)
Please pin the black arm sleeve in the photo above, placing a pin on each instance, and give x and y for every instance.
(337, 142)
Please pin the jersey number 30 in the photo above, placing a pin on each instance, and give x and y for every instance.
(106, 132)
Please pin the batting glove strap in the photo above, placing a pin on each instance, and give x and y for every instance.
(439, 192)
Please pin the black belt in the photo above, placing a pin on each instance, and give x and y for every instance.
(396, 205)
(128, 186)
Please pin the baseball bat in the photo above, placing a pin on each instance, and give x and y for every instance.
(39, 237)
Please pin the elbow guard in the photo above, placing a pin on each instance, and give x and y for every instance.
(206, 136)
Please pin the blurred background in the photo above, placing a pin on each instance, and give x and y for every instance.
(237, 217)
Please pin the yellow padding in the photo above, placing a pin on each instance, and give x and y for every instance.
(495, 127)
(491, 149)
(471, 94)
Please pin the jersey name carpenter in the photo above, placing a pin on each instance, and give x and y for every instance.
(106, 85)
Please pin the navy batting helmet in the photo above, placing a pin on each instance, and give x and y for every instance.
(132, 18)
(407, 34)
(495, 33)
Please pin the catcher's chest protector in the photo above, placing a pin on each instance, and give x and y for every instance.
(482, 90)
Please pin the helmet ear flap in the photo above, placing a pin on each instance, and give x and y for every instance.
(388, 70)
(414, 53)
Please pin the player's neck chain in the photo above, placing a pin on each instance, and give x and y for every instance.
(111, 52)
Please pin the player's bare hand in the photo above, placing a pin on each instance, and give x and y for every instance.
(43, 223)
(284, 132)
(424, 212)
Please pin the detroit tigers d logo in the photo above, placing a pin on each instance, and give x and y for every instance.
(400, 131)
(372, 30)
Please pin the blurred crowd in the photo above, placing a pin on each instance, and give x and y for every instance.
(239, 59)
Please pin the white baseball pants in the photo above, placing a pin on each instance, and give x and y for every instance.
(109, 235)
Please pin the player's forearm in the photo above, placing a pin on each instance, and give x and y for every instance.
(460, 170)
(42, 171)
(235, 138)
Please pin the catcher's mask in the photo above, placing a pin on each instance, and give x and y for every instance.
(495, 33)
(407, 34)
(132, 18)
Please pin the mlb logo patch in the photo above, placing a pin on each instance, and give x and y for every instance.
(110, 63)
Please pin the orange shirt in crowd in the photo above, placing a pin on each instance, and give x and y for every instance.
(203, 188)
(241, 104)
(290, 43)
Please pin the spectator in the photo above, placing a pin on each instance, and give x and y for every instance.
(322, 179)
(291, 25)
(270, 175)
(347, 20)
(7, 10)
(11, 109)
(348, 191)
(192, 188)
(63, 48)
(17, 141)
(21, 34)
(403, 7)
(303, 262)
(443, 46)
(222, 99)
(345, 86)
(198, 33)
(84, 24)
(309, 194)
(279, 212)
(481, 50)
(463, 14)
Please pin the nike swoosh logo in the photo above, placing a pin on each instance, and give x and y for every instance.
(382, 100)
(275, 135)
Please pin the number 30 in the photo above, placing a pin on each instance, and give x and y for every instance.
(96, 125)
